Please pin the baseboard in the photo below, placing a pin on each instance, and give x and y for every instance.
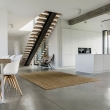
(66, 67)
(104, 71)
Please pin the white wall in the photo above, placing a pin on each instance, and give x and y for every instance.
(53, 48)
(92, 27)
(17, 48)
(72, 39)
(3, 33)
(65, 40)
(10, 47)
(78, 35)
(17, 44)
(24, 40)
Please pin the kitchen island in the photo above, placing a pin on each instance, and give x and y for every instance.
(92, 63)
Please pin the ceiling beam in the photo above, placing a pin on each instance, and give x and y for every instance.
(97, 12)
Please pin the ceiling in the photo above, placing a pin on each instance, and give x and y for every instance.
(21, 12)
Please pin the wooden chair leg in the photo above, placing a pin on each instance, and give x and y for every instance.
(17, 85)
(14, 82)
(11, 80)
(14, 85)
(5, 78)
(8, 81)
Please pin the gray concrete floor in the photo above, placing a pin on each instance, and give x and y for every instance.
(89, 96)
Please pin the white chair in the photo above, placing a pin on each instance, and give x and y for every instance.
(7, 56)
(12, 57)
(3, 56)
(10, 70)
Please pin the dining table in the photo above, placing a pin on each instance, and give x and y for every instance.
(2, 63)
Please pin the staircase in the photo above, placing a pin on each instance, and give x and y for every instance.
(39, 60)
(44, 25)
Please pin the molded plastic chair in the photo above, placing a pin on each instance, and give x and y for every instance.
(12, 56)
(2, 56)
(10, 70)
(5, 56)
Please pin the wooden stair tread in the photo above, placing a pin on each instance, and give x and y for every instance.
(48, 32)
(39, 24)
(33, 37)
(56, 17)
(27, 51)
(42, 20)
(35, 34)
(43, 15)
(24, 57)
(30, 42)
(52, 25)
(54, 21)
(23, 61)
(33, 40)
(36, 30)
(29, 46)
(59, 14)
(47, 12)
(50, 29)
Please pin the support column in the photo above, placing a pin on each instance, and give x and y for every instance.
(106, 42)
(103, 41)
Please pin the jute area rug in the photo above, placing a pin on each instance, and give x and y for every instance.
(53, 79)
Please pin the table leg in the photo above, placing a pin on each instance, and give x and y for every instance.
(2, 82)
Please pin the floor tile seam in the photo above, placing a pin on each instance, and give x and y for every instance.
(43, 96)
